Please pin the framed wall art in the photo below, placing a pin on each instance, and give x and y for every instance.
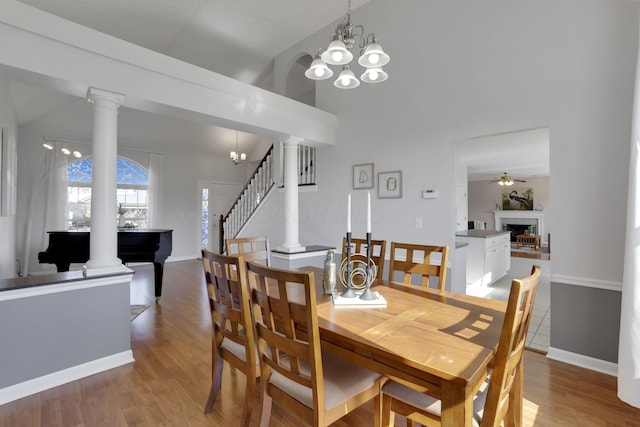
(390, 185)
(363, 176)
(517, 199)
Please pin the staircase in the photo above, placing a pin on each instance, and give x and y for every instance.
(259, 186)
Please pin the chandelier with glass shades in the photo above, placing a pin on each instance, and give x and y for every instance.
(236, 156)
(372, 57)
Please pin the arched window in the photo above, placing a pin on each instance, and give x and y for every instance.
(132, 194)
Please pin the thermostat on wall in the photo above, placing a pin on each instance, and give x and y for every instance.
(429, 194)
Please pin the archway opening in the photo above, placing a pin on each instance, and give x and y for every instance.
(299, 87)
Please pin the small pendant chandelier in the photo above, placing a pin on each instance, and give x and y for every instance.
(236, 156)
(48, 144)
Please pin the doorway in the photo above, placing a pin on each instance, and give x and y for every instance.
(481, 162)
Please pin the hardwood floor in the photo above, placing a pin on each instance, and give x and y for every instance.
(169, 382)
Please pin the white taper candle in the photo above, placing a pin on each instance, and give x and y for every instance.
(368, 212)
(349, 213)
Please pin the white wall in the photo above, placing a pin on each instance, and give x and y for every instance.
(483, 197)
(8, 257)
(460, 69)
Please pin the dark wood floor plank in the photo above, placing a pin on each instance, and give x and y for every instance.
(169, 383)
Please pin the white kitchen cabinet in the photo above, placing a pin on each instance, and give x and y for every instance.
(488, 255)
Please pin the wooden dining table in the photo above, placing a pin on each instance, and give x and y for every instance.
(439, 341)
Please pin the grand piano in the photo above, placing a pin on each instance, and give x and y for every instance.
(134, 245)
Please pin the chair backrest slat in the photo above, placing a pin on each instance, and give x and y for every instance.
(251, 248)
(284, 309)
(422, 266)
(229, 300)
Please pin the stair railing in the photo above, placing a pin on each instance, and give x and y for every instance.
(248, 200)
(257, 187)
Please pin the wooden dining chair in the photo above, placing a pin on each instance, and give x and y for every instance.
(499, 399)
(251, 248)
(378, 251)
(315, 386)
(233, 339)
(425, 268)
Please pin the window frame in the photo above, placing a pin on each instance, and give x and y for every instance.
(130, 222)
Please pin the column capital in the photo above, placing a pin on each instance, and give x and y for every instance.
(95, 94)
(291, 140)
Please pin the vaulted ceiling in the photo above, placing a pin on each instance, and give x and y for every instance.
(236, 38)
(239, 39)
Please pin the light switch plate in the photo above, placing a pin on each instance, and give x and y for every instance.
(430, 194)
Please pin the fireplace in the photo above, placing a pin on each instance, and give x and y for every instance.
(517, 229)
(518, 222)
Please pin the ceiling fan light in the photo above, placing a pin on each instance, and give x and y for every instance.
(506, 181)
(374, 75)
(373, 56)
(337, 53)
(318, 70)
(346, 79)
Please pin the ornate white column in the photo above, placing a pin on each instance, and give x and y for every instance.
(104, 238)
(291, 243)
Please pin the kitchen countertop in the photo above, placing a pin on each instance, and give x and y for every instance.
(482, 234)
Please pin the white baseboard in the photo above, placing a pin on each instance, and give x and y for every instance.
(36, 385)
(183, 258)
(582, 361)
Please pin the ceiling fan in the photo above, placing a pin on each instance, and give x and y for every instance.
(506, 180)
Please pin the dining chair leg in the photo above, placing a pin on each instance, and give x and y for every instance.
(216, 381)
(249, 400)
(387, 417)
(266, 410)
(518, 395)
(513, 417)
(377, 409)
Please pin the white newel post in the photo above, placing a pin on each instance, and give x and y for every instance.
(104, 238)
(291, 243)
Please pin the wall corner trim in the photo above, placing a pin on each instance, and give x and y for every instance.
(583, 361)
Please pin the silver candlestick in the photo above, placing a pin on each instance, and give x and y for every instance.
(370, 275)
(349, 292)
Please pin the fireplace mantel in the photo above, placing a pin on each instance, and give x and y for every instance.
(538, 216)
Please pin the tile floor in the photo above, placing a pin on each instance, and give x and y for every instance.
(538, 336)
